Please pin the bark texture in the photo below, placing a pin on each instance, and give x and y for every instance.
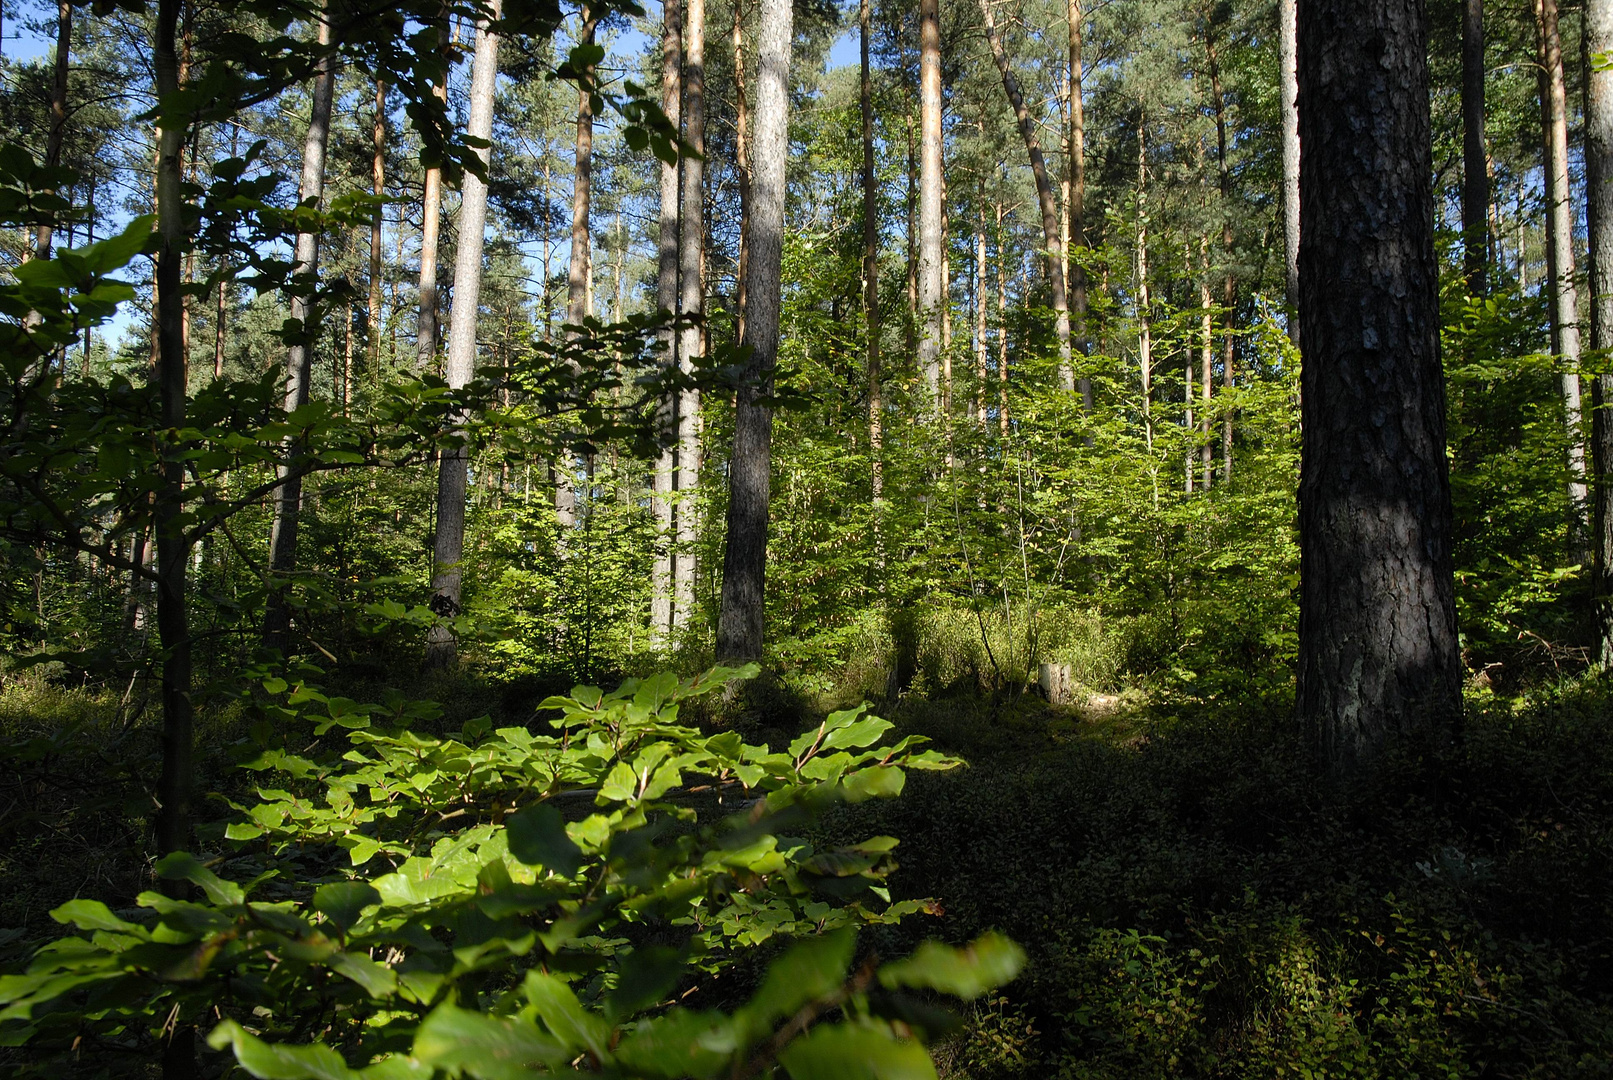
(448, 545)
(871, 314)
(579, 270)
(1378, 653)
(1075, 204)
(299, 358)
(740, 626)
(666, 299)
(427, 336)
(691, 304)
(1599, 182)
(1288, 41)
(378, 179)
(58, 111)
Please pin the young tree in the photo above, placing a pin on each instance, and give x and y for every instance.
(740, 625)
(299, 358)
(449, 541)
(1378, 653)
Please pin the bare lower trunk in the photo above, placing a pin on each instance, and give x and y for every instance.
(930, 238)
(427, 335)
(1076, 276)
(1564, 304)
(449, 542)
(378, 177)
(1044, 198)
(299, 358)
(1229, 282)
(1002, 324)
(870, 185)
(58, 111)
(666, 297)
(579, 274)
(740, 626)
(1378, 652)
(1145, 330)
(1206, 362)
(1290, 103)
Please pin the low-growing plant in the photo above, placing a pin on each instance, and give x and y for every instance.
(503, 903)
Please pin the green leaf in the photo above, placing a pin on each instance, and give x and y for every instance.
(182, 866)
(277, 1061)
(93, 915)
(486, 1047)
(537, 837)
(810, 970)
(343, 901)
(646, 976)
(377, 980)
(621, 785)
(879, 782)
(989, 962)
(565, 1017)
(856, 1052)
(679, 1044)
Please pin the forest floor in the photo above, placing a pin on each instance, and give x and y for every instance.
(1196, 901)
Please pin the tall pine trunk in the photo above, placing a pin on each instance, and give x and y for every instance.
(1598, 39)
(448, 544)
(1475, 160)
(1378, 653)
(1075, 205)
(740, 626)
(691, 303)
(1051, 234)
(930, 239)
(871, 322)
(427, 336)
(299, 358)
(579, 271)
(1289, 48)
(378, 179)
(666, 297)
(58, 111)
(1564, 294)
(1229, 280)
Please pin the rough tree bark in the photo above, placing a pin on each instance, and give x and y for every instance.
(448, 544)
(1229, 282)
(1378, 653)
(1475, 160)
(740, 626)
(1564, 294)
(1044, 197)
(666, 299)
(870, 185)
(1076, 274)
(930, 239)
(1289, 48)
(1599, 183)
(299, 358)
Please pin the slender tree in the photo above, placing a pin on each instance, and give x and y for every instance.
(691, 301)
(1564, 294)
(1598, 40)
(1378, 653)
(740, 625)
(579, 271)
(58, 111)
(666, 298)
(299, 358)
(1229, 280)
(871, 320)
(1475, 157)
(930, 238)
(1051, 233)
(378, 179)
(1288, 40)
(1075, 203)
(452, 474)
(426, 338)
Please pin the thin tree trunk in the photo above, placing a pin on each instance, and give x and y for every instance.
(692, 304)
(579, 273)
(1475, 159)
(1044, 198)
(930, 239)
(1206, 362)
(427, 334)
(449, 542)
(666, 296)
(299, 358)
(1002, 322)
(58, 111)
(980, 312)
(1145, 330)
(741, 162)
(1289, 46)
(378, 176)
(870, 185)
(912, 242)
(1598, 39)
(1229, 283)
(1076, 276)
(1378, 652)
(1560, 239)
(740, 626)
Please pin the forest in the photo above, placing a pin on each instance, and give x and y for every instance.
(885, 540)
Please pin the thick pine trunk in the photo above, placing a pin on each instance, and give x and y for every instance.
(691, 304)
(1378, 652)
(1599, 183)
(1044, 197)
(299, 358)
(663, 573)
(930, 239)
(1564, 294)
(1475, 160)
(449, 542)
(740, 626)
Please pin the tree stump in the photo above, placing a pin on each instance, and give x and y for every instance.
(1056, 684)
